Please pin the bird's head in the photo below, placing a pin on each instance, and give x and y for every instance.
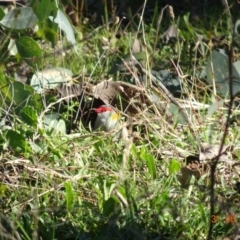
(107, 117)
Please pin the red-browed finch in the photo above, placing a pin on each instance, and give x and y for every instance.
(107, 118)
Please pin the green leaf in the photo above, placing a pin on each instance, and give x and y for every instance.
(66, 27)
(69, 196)
(29, 50)
(18, 94)
(188, 25)
(18, 141)
(19, 18)
(51, 35)
(134, 150)
(217, 70)
(4, 88)
(179, 116)
(109, 206)
(50, 78)
(35, 101)
(29, 115)
(49, 31)
(21, 93)
(2, 14)
(150, 162)
(53, 125)
(174, 166)
(44, 8)
(217, 104)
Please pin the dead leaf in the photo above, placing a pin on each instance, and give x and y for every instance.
(66, 91)
(186, 175)
(171, 32)
(211, 151)
(137, 46)
(133, 99)
(124, 134)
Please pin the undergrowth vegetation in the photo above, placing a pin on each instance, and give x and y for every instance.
(169, 169)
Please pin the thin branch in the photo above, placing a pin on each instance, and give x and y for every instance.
(215, 163)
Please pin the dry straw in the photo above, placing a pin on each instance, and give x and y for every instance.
(171, 12)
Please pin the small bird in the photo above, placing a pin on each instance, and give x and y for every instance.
(107, 118)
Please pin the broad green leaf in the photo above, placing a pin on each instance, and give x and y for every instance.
(21, 93)
(48, 118)
(47, 24)
(109, 206)
(35, 100)
(66, 27)
(51, 35)
(48, 30)
(174, 166)
(217, 70)
(18, 95)
(170, 80)
(12, 47)
(29, 115)
(44, 8)
(237, 66)
(29, 50)
(53, 124)
(50, 78)
(39, 148)
(2, 13)
(69, 196)
(237, 33)
(19, 18)
(18, 141)
(179, 116)
(150, 162)
(214, 107)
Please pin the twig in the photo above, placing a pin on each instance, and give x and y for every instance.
(215, 163)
